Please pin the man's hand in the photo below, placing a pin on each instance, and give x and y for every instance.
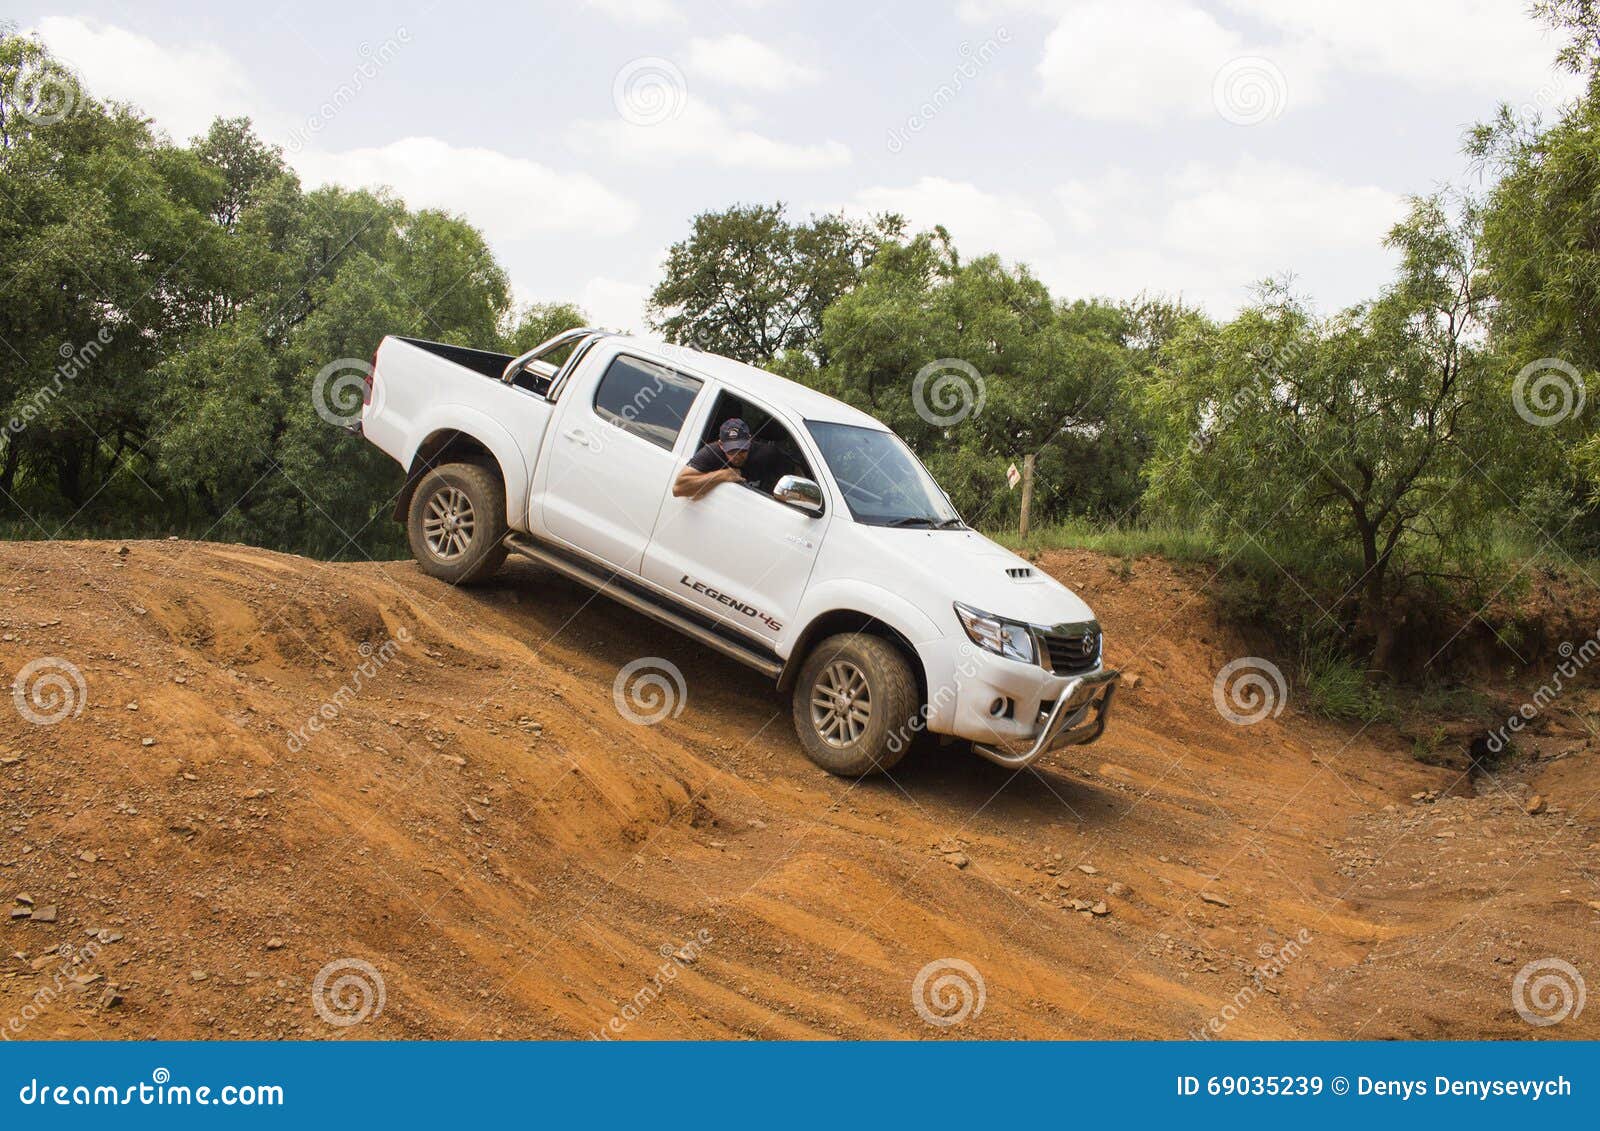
(696, 483)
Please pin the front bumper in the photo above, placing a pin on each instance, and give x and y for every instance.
(1076, 717)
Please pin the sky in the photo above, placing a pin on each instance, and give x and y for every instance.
(1116, 147)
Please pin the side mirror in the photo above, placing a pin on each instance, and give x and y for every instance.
(799, 492)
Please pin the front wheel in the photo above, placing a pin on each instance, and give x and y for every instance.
(855, 705)
(457, 523)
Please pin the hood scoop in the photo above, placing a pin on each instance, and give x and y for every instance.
(1022, 573)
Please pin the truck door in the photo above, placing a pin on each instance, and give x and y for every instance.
(736, 552)
(612, 457)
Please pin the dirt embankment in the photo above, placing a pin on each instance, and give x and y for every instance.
(274, 770)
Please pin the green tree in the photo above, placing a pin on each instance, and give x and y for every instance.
(170, 309)
(977, 366)
(1580, 21)
(106, 253)
(1541, 249)
(539, 322)
(749, 284)
(1382, 435)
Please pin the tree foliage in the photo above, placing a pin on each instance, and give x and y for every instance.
(169, 307)
(169, 312)
(977, 366)
(1382, 435)
(750, 284)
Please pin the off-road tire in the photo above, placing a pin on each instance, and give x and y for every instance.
(891, 686)
(441, 491)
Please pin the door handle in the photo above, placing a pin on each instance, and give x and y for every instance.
(582, 436)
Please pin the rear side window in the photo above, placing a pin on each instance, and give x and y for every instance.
(649, 400)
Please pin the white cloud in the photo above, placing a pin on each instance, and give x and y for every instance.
(978, 221)
(738, 60)
(615, 304)
(1141, 61)
(1086, 202)
(609, 303)
(1206, 231)
(1153, 61)
(1431, 43)
(1209, 232)
(637, 11)
(507, 197)
(183, 87)
(701, 131)
(1256, 212)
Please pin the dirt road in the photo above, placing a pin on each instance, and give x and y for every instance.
(269, 769)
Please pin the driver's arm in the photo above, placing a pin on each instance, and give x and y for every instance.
(693, 484)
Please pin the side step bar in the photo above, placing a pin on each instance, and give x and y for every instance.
(623, 595)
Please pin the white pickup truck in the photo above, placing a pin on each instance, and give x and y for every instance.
(847, 577)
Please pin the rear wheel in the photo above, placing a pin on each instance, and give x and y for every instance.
(855, 705)
(457, 523)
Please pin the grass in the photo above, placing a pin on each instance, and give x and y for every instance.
(1171, 541)
(1437, 697)
(1337, 688)
(1426, 750)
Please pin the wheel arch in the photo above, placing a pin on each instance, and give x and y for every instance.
(451, 444)
(836, 621)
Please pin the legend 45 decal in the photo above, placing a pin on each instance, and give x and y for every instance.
(732, 602)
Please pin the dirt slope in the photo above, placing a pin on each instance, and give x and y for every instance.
(477, 820)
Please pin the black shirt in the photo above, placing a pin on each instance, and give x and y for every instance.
(763, 466)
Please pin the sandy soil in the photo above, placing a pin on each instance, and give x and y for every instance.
(509, 856)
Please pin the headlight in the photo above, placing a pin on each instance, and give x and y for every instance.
(996, 634)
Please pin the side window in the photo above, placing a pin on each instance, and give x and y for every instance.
(776, 453)
(648, 400)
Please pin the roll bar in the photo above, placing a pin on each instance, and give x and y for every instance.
(566, 337)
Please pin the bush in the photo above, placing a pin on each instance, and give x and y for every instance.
(1336, 688)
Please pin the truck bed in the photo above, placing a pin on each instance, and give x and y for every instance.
(486, 363)
(426, 392)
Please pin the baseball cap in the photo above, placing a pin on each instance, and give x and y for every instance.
(735, 435)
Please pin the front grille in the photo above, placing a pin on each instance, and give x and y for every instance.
(1069, 654)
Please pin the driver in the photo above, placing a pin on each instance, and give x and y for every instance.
(732, 458)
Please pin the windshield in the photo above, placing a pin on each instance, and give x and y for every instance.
(883, 483)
